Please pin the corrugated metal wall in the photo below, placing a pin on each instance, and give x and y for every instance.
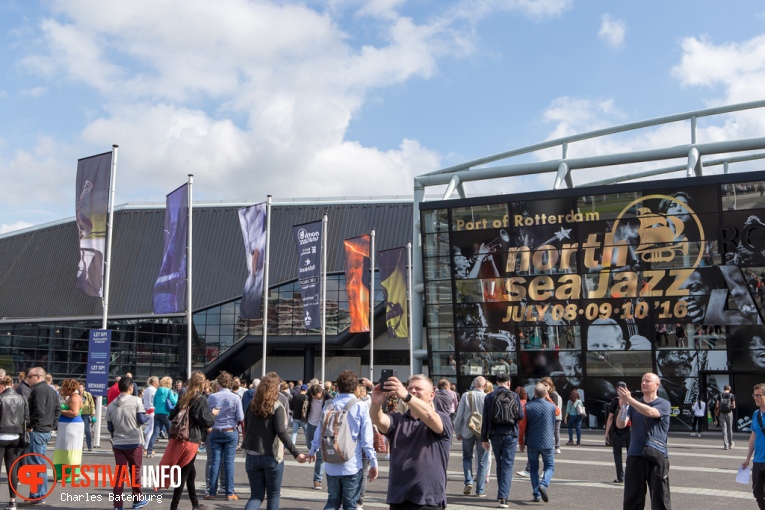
(39, 267)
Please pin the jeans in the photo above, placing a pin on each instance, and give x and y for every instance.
(297, 425)
(574, 421)
(222, 444)
(548, 460)
(160, 420)
(88, 432)
(38, 443)
(557, 433)
(343, 491)
(128, 458)
(504, 451)
(726, 423)
(318, 469)
(265, 475)
(472, 444)
(148, 431)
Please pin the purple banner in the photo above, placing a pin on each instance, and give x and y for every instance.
(92, 204)
(308, 244)
(253, 222)
(99, 353)
(170, 288)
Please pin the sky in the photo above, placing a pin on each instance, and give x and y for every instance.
(350, 98)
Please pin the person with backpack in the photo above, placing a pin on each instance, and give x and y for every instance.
(726, 403)
(467, 427)
(346, 430)
(299, 405)
(124, 417)
(419, 440)
(501, 413)
(265, 439)
(192, 414)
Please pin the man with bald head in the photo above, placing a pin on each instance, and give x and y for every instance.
(471, 402)
(648, 416)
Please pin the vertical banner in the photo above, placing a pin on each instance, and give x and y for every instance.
(253, 222)
(170, 288)
(308, 244)
(357, 281)
(392, 264)
(99, 352)
(92, 194)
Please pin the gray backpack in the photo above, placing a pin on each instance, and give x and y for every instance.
(337, 443)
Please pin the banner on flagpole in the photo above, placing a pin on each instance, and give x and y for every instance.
(392, 264)
(170, 288)
(357, 281)
(92, 208)
(308, 244)
(253, 222)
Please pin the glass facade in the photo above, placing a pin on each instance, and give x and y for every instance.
(600, 288)
(220, 327)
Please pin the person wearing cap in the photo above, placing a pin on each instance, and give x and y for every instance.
(299, 419)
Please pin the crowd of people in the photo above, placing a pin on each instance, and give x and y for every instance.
(346, 425)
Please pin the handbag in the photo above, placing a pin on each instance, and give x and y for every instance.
(380, 442)
(581, 410)
(475, 422)
(655, 450)
(169, 404)
(24, 439)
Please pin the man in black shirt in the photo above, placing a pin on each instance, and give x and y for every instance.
(44, 411)
(299, 420)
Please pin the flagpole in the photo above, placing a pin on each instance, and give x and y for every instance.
(265, 282)
(107, 264)
(409, 308)
(372, 307)
(323, 295)
(189, 311)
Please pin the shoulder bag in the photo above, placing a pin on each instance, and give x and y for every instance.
(475, 422)
(655, 450)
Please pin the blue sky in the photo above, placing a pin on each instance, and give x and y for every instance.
(347, 97)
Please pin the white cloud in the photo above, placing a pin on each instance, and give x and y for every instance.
(34, 92)
(612, 31)
(5, 227)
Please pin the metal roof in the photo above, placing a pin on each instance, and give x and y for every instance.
(39, 265)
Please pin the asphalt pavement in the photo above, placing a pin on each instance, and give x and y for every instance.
(702, 475)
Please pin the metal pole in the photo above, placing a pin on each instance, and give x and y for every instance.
(189, 310)
(323, 296)
(372, 306)
(107, 264)
(265, 282)
(409, 307)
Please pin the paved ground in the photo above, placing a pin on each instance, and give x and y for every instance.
(702, 476)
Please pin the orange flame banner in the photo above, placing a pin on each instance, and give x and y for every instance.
(357, 281)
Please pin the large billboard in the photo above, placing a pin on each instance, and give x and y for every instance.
(597, 285)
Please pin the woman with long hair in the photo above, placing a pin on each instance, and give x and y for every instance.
(265, 438)
(573, 418)
(14, 416)
(556, 399)
(184, 453)
(70, 430)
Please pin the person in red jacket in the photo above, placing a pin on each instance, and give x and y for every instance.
(113, 392)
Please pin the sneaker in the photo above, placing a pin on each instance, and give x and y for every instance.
(232, 497)
(693, 435)
(317, 486)
(481, 495)
(468, 488)
(523, 474)
(536, 499)
(140, 504)
(208, 497)
(11, 506)
(202, 449)
(557, 451)
(359, 506)
(732, 444)
(698, 435)
(543, 492)
(199, 506)
(503, 503)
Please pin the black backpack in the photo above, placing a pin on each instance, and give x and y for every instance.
(725, 399)
(505, 410)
